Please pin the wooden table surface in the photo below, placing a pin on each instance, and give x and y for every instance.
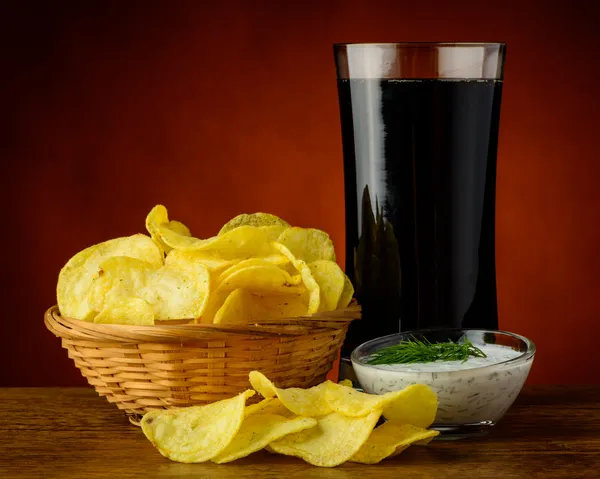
(550, 432)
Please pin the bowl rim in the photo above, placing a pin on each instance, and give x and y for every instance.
(521, 358)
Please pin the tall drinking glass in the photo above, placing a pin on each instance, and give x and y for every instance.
(420, 135)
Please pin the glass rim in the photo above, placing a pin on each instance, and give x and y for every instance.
(521, 358)
(421, 44)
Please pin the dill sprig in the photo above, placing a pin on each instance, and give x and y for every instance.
(412, 350)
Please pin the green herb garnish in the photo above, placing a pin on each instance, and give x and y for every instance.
(413, 350)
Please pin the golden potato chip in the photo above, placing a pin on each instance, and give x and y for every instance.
(303, 402)
(244, 307)
(259, 407)
(180, 292)
(176, 228)
(416, 404)
(346, 382)
(77, 277)
(390, 439)
(281, 305)
(306, 402)
(334, 440)
(262, 385)
(214, 264)
(307, 278)
(273, 231)
(330, 278)
(266, 279)
(423, 442)
(308, 244)
(119, 277)
(347, 294)
(179, 227)
(196, 433)
(258, 431)
(267, 261)
(354, 403)
(255, 219)
(237, 309)
(174, 292)
(240, 243)
(157, 219)
(127, 311)
(173, 239)
(271, 405)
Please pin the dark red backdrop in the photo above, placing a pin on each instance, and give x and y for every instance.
(214, 108)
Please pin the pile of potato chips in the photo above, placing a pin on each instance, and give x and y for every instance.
(325, 425)
(257, 267)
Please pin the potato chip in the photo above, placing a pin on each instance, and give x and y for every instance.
(306, 402)
(259, 407)
(334, 440)
(273, 232)
(180, 292)
(347, 294)
(390, 439)
(157, 219)
(303, 402)
(179, 227)
(258, 431)
(330, 278)
(214, 264)
(119, 277)
(77, 277)
(422, 442)
(281, 305)
(174, 292)
(271, 405)
(416, 404)
(134, 311)
(196, 433)
(240, 243)
(175, 240)
(307, 278)
(268, 261)
(255, 219)
(237, 309)
(244, 307)
(346, 382)
(266, 279)
(262, 385)
(308, 244)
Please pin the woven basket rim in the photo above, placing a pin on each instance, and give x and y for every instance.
(298, 326)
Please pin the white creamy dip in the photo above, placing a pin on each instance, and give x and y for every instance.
(475, 391)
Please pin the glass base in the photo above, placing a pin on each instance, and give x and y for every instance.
(452, 432)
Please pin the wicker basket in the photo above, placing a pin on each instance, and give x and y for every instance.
(140, 368)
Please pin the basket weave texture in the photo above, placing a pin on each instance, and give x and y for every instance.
(140, 368)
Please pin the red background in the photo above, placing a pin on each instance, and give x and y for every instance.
(214, 108)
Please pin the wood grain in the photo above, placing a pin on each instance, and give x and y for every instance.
(550, 432)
